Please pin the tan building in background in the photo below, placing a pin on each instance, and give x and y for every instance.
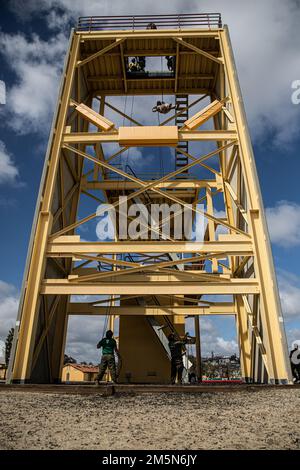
(79, 373)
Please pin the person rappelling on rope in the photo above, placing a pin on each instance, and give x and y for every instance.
(163, 108)
(109, 348)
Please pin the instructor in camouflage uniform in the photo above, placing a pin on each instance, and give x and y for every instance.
(109, 348)
(176, 345)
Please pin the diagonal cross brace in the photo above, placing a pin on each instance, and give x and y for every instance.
(146, 186)
(140, 267)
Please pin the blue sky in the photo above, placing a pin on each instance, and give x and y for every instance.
(33, 40)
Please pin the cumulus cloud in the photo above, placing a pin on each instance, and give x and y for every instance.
(293, 337)
(268, 60)
(218, 344)
(72, 9)
(2, 92)
(289, 291)
(2, 350)
(284, 223)
(8, 171)
(228, 346)
(9, 301)
(84, 333)
(37, 67)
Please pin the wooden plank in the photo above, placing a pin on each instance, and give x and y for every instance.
(81, 308)
(113, 136)
(95, 118)
(117, 185)
(66, 287)
(204, 115)
(62, 247)
(196, 49)
(148, 136)
(101, 52)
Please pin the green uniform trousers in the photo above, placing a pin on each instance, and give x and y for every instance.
(107, 360)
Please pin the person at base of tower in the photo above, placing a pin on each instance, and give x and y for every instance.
(109, 348)
(295, 364)
(176, 348)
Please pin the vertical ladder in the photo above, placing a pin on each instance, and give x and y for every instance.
(181, 101)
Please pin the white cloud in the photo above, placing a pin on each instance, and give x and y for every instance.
(226, 346)
(84, 332)
(212, 335)
(9, 301)
(2, 350)
(289, 291)
(293, 337)
(210, 341)
(284, 223)
(37, 67)
(206, 325)
(52, 9)
(8, 170)
(2, 92)
(268, 60)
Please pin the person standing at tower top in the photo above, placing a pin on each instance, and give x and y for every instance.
(151, 26)
(109, 348)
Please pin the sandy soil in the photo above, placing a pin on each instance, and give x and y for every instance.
(265, 419)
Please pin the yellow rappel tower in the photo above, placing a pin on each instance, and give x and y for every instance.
(150, 283)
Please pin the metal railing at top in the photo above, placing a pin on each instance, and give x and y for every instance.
(195, 20)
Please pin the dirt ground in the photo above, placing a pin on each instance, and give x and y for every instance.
(265, 419)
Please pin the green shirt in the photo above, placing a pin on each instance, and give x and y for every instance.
(108, 345)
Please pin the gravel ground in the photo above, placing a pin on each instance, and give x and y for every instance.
(265, 419)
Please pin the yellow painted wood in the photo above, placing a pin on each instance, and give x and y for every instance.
(93, 70)
(113, 136)
(204, 115)
(66, 287)
(270, 310)
(63, 248)
(144, 358)
(83, 309)
(94, 117)
(153, 136)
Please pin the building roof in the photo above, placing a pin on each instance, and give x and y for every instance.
(84, 368)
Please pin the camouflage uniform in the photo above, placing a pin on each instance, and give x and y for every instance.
(108, 346)
(107, 360)
(176, 360)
